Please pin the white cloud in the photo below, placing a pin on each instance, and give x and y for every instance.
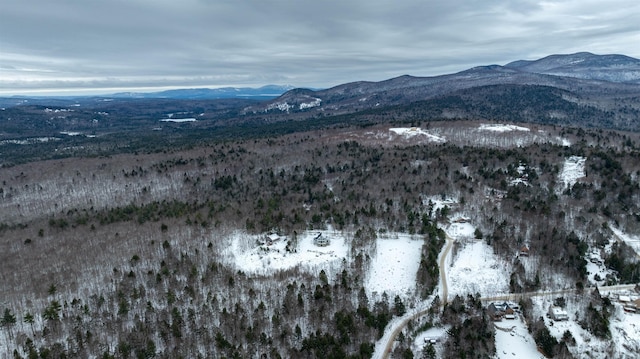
(305, 43)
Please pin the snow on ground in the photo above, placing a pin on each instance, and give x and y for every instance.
(513, 340)
(594, 269)
(460, 230)
(434, 336)
(266, 259)
(315, 103)
(416, 131)
(624, 327)
(572, 170)
(438, 202)
(496, 127)
(476, 269)
(565, 142)
(522, 179)
(395, 265)
(632, 241)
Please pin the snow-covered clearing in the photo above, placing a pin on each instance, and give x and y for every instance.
(513, 340)
(265, 259)
(416, 131)
(497, 127)
(598, 269)
(572, 170)
(460, 230)
(394, 267)
(476, 269)
(392, 270)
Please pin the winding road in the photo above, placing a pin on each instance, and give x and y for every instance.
(399, 324)
(385, 344)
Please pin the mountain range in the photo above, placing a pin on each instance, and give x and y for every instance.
(581, 89)
(583, 73)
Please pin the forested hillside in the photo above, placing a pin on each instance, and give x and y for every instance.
(128, 255)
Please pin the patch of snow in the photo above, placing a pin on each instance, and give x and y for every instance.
(513, 340)
(409, 132)
(70, 133)
(523, 179)
(315, 103)
(496, 127)
(282, 106)
(29, 141)
(58, 110)
(395, 265)
(572, 170)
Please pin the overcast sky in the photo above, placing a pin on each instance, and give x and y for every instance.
(111, 45)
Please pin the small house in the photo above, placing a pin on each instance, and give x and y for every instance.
(557, 313)
(272, 238)
(497, 311)
(321, 241)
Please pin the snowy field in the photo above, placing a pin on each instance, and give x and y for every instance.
(416, 131)
(394, 267)
(513, 340)
(476, 269)
(266, 259)
(572, 170)
(502, 128)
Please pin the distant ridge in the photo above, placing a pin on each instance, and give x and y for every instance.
(580, 89)
(260, 93)
(584, 65)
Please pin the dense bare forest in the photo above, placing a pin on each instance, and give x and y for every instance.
(127, 255)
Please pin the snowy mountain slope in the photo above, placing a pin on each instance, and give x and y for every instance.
(584, 65)
(560, 87)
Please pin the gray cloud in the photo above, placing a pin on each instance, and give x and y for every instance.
(71, 44)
